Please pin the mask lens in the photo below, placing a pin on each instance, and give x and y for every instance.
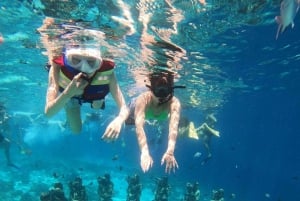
(84, 64)
(162, 92)
(75, 60)
(86, 60)
(92, 62)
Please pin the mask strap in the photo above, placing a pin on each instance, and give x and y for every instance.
(179, 87)
(147, 85)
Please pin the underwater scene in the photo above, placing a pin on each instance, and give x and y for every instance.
(149, 100)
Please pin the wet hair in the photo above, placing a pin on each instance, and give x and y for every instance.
(162, 78)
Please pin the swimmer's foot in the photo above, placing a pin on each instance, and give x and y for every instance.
(206, 159)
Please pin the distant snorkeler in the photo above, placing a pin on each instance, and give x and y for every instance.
(78, 74)
(203, 132)
(5, 142)
(158, 103)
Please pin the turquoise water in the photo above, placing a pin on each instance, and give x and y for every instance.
(225, 53)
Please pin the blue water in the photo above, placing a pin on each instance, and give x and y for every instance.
(232, 66)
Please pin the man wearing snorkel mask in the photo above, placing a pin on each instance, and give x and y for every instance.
(159, 103)
(80, 75)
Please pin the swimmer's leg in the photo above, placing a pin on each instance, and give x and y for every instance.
(74, 116)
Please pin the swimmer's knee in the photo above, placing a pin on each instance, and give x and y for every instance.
(74, 119)
(76, 129)
(75, 125)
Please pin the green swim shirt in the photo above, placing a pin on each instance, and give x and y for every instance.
(149, 114)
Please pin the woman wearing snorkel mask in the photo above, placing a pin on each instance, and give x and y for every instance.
(159, 103)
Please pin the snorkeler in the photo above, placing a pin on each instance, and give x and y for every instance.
(203, 132)
(78, 74)
(157, 103)
(4, 141)
(5, 144)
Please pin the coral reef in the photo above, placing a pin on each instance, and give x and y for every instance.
(192, 192)
(105, 188)
(162, 189)
(218, 195)
(77, 190)
(55, 194)
(134, 189)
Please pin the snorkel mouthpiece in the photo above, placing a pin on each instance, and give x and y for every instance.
(162, 91)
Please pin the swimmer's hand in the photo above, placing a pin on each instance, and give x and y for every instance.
(112, 131)
(76, 86)
(146, 161)
(171, 163)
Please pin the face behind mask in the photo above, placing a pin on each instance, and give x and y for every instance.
(86, 60)
(162, 91)
(162, 86)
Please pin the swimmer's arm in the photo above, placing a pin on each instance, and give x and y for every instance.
(205, 127)
(173, 125)
(211, 130)
(201, 128)
(47, 22)
(139, 115)
(119, 98)
(54, 100)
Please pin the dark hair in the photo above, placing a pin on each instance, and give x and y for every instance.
(162, 79)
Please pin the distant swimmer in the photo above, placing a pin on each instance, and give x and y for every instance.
(159, 103)
(5, 137)
(203, 132)
(5, 144)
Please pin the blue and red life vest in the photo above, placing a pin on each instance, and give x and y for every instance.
(98, 86)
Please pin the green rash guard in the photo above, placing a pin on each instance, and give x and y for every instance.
(149, 114)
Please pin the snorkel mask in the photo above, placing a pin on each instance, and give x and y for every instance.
(162, 91)
(84, 59)
(162, 86)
